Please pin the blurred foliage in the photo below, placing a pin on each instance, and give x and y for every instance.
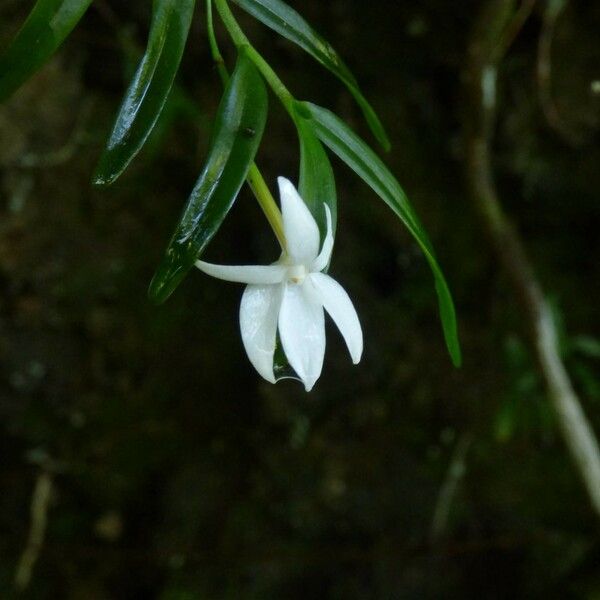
(179, 474)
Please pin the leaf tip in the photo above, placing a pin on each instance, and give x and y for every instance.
(456, 356)
(163, 284)
(100, 181)
(103, 176)
(381, 135)
(169, 274)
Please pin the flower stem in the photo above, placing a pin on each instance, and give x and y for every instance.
(259, 187)
(255, 180)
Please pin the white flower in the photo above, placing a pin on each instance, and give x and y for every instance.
(291, 295)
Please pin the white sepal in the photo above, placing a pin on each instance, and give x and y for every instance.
(300, 228)
(258, 324)
(251, 274)
(337, 303)
(325, 256)
(302, 331)
(292, 295)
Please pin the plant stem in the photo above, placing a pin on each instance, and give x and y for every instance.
(40, 504)
(259, 187)
(255, 180)
(214, 46)
(235, 31)
(513, 28)
(244, 45)
(278, 87)
(450, 486)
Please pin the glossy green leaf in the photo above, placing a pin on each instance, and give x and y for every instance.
(149, 89)
(317, 181)
(337, 136)
(45, 29)
(288, 23)
(236, 137)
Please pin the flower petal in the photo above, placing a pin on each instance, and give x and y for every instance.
(300, 228)
(302, 331)
(259, 312)
(251, 274)
(339, 306)
(325, 257)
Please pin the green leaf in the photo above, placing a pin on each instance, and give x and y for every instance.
(337, 136)
(149, 89)
(291, 25)
(237, 133)
(45, 29)
(317, 182)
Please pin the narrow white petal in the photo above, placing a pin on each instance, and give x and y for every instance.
(251, 274)
(323, 259)
(259, 312)
(339, 306)
(300, 228)
(302, 330)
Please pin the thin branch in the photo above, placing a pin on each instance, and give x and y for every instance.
(554, 9)
(480, 117)
(514, 27)
(40, 503)
(454, 475)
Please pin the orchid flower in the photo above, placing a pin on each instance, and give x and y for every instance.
(291, 295)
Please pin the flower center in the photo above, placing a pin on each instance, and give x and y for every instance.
(297, 273)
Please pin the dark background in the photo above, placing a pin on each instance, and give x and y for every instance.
(177, 473)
